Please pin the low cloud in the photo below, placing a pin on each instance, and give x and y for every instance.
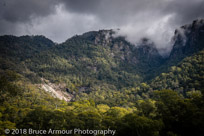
(160, 32)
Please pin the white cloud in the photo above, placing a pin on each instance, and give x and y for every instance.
(157, 29)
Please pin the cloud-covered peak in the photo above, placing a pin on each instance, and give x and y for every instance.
(61, 19)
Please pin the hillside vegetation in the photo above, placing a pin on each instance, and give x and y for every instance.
(110, 84)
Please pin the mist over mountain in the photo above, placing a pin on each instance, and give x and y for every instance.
(61, 19)
(102, 80)
(99, 56)
(188, 39)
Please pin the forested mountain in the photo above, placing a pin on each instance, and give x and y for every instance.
(104, 82)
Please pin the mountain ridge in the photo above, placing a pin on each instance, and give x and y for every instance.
(97, 57)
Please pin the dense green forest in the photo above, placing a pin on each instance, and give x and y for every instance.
(109, 83)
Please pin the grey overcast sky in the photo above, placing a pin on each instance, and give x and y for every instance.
(61, 19)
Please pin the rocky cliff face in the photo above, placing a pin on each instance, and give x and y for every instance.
(144, 52)
(189, 39)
